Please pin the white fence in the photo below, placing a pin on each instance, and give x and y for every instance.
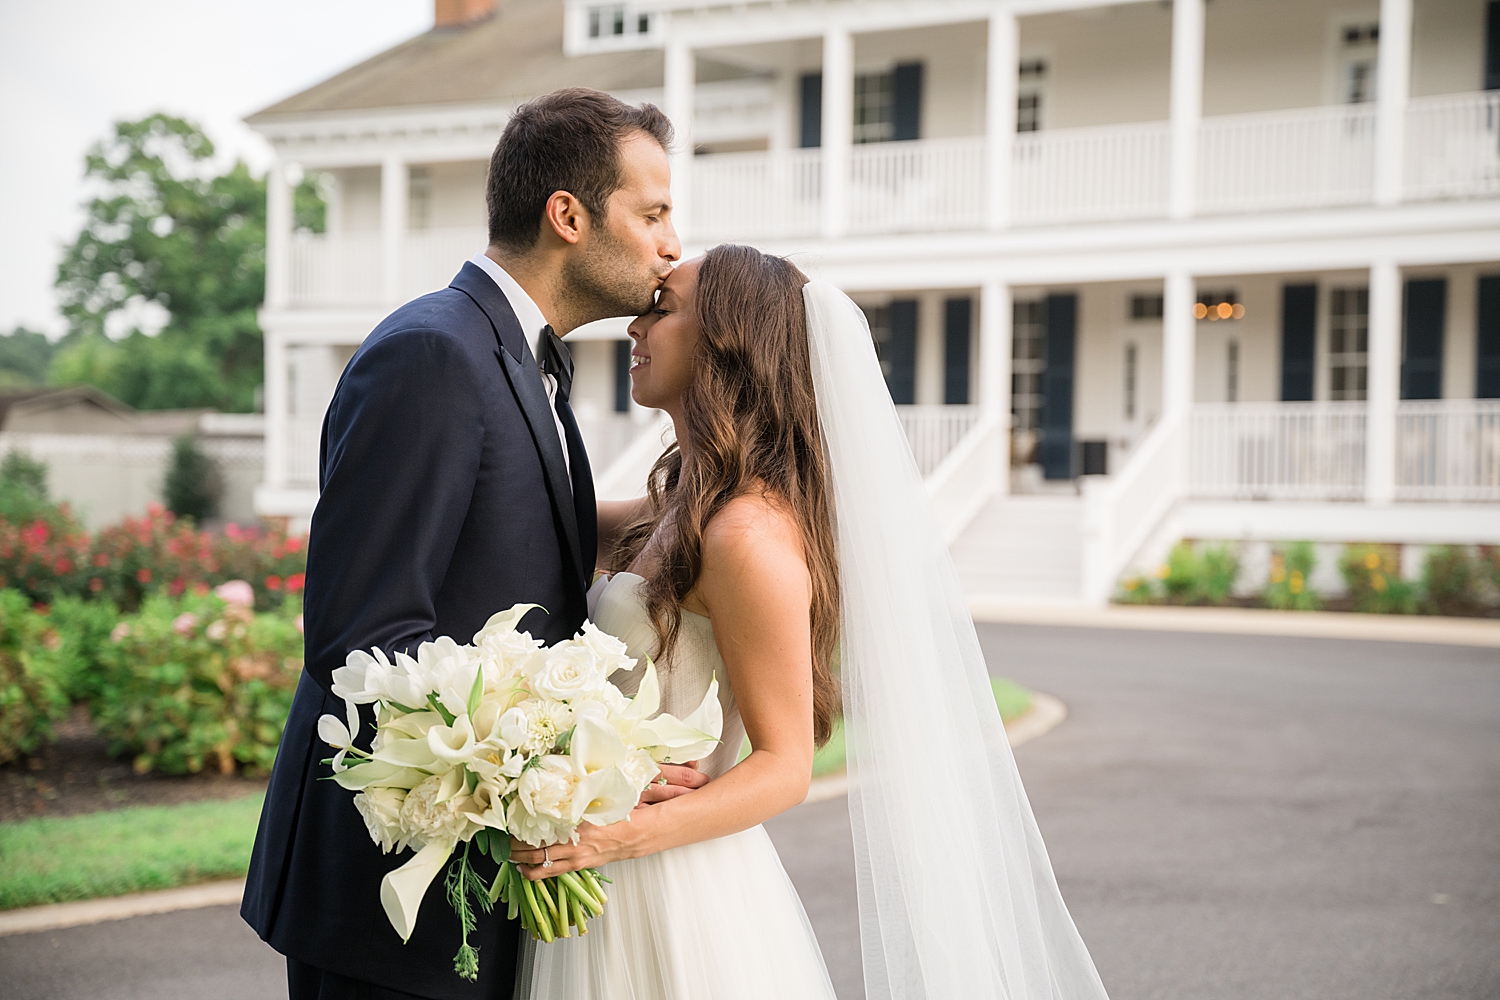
(1453, 146)
(1314, 157)
(1448, 449)
(747, 196)
(107, 476)
(335, 269)
(898, 187)
(934, 431)
(1110, 173)
(1278, 451)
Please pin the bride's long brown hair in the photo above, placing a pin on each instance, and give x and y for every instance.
(752, 426)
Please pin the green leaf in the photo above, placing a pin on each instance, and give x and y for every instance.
(448, 717)
(482, 841)
(477, 691)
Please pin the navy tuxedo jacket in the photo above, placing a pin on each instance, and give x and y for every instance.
(445, 498)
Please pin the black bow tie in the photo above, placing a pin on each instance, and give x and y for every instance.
(557, 361)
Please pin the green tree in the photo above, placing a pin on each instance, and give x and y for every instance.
(193, 485)
(167, 230)
(24, 358)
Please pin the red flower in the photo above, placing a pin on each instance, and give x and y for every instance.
(177, 586)
(102, 559)
(63, 565)
(41, 608)
(200, 588)
(96, 585)
(277, 552)
(295, 582)
(143, 574)
(294, 544)
(37, 534)
(273, 582)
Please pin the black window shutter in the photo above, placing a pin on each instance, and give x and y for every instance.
(901, 352)
(812, 110)
(1487, 350)
(956, 323)
(1492, 46)
(1422, 350)
(622, 376)
(906, 106)
(1056, 444)
(1299, 337)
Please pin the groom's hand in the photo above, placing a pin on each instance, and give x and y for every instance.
(680, 779)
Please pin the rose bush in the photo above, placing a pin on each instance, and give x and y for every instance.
(196, 681)
(32, 700)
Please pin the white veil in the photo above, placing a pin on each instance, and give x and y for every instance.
(956, 894)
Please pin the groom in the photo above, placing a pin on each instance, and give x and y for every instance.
(454, 485)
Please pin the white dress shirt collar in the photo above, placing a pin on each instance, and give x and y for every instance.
(527, 312)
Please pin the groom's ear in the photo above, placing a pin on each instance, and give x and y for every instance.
(564, 218)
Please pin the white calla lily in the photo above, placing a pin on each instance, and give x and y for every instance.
(606, 796)
(452, 744)
(401, 891)
(672, 740)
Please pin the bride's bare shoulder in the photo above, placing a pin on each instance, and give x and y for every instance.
(753, 541)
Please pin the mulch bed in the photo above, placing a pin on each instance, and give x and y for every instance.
(76, 775)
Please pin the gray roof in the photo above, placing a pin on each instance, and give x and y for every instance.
(514, 54)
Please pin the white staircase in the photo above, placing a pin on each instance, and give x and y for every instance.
(1023, 550)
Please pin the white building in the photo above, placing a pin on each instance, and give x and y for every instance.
(1137, 271)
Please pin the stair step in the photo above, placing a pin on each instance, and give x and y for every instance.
(1024, 549)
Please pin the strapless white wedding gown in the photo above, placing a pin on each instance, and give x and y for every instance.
(717, 920)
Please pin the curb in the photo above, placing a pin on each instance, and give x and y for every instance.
(1046, 714)
(57, 916)
(1434, 629)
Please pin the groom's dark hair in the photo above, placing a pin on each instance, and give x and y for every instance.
(568, 140)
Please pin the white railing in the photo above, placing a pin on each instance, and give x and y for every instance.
(625, 477)
(434, 256)
(335, 269)
(1453, 146)
(608, 434)
(1121, 511)
(934, 431)
(303, 440)
(1313, 157)
(1278, 451)
(1109, 173)
(746, 196)
(1448, 449)
(967, 476)
(919, 186)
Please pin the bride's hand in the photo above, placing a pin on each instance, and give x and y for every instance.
(681, 779)
(597, 845)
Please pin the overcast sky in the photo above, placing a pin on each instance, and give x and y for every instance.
(69, 68)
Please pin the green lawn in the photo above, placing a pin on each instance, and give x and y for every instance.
(125, 850)
(1012, 700)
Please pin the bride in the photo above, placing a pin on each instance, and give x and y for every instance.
(786, 548)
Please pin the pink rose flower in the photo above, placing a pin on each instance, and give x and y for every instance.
(236, 592)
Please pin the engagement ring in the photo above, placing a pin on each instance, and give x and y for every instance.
(546, 861)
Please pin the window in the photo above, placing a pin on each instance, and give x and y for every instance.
(1147, 306)
(1028, 364)
(609, 21)
(874, 107)
(1130, 381)
(622, 375)
(879, 318)
(1029, 95)
(1232, 367)
(1348, 341)
(1359, 46)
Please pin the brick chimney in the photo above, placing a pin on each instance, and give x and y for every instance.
(457, 13)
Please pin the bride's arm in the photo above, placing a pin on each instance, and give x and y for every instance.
(755, 586)
(614, 515)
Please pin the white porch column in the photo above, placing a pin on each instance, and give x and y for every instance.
(277, 404)
(278, 237)
(1392, 88)
(1383, 381)
(837, 128)
(1179, 344)
(1187, 103)
(1000, 115)
(996, 317)
(679, 98)
(393, 195)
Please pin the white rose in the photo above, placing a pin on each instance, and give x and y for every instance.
(430, 821)
(566, 671)
(381, 809)
(611, 651)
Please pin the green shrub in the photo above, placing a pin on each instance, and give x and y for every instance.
(195, 682)
(1191, 575)
(193, 485)
(23, 488)
(81, 629)
(1452, 581)
(31, 699)
(1287, 588)
(1373, 575)
(1137, 589)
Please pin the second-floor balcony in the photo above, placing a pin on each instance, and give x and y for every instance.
(1282, 161)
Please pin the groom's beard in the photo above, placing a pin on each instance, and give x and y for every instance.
(602, 283)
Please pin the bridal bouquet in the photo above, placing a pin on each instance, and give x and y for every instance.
(476, 743)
